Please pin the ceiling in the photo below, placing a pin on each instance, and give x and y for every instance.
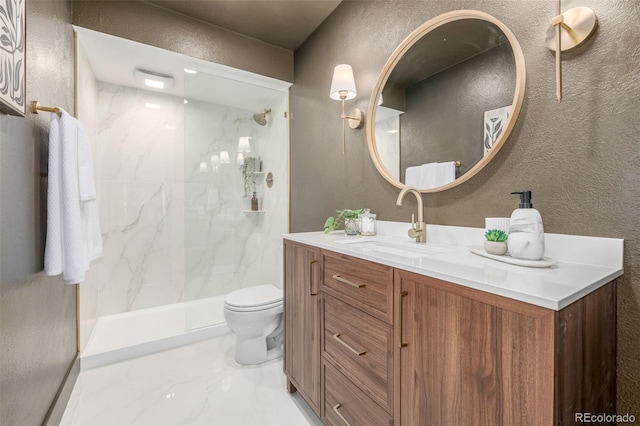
(114, 60)
(284, 23)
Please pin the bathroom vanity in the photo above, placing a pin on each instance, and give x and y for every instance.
(381, 330)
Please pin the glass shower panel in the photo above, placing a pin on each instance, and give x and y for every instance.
(235, 133)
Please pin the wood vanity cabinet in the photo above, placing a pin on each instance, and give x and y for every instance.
(302, 274)
(383, 346)
(467, 357)
(357, 341)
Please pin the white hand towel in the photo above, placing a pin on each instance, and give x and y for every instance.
(412, 176)
(428, 175)
(445, 173)
(73, 229)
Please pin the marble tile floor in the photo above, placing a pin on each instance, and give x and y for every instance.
(197, 384)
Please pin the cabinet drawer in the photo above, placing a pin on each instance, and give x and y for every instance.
(344, 403)
(364, 284)
(361, 347)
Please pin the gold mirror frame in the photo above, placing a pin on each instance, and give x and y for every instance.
(402, 49)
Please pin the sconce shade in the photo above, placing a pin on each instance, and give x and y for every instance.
(224, 157)
(244, 144)
(344, 82)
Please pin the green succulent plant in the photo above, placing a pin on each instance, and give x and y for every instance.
(332, 223)
(248, 169)
(496, 235)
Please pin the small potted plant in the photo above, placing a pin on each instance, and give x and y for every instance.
(496, 241)
(350, 219)
(248, 169)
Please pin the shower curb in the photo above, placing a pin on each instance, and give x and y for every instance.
(87, 362)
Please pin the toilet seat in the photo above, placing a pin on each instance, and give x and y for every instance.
(255, 298)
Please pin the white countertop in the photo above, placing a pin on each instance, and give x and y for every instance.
(584, 263)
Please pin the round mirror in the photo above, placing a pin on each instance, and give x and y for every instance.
(446, 101)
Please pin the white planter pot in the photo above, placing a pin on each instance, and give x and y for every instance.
(495, 247)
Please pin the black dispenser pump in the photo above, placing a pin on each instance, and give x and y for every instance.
(525, 199)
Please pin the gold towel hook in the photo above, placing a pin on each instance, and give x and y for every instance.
(35, 107)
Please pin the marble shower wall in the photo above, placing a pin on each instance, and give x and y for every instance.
(173, 224)
(227, 246)
(140, 169)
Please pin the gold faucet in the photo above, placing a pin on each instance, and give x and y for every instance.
(418, 229)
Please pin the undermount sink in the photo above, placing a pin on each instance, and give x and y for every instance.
(405, 249)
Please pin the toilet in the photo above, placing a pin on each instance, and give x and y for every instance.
(254, 314)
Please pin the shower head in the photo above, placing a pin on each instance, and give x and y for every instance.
(261, 117)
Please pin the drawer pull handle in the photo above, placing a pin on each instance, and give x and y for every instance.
(346, 345)
(311, 293)
(401, 344)
(335, 408)
(337, 277)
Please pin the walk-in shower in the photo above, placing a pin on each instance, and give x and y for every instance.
(178, 229)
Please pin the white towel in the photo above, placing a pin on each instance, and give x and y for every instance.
(412, 176)
(428, 174)
(445, 173)
(73, 227)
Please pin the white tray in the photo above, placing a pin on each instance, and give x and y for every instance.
(545, 262)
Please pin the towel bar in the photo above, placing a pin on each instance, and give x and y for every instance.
(35, 107)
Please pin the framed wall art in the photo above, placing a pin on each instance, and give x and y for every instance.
(12, 58)
(494, 121)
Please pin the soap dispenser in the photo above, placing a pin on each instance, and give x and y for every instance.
(526, 233)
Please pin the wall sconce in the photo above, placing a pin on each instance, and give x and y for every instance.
(244, 144)
(215, 162)
(343, 87)
(567, 31)
(224, 157)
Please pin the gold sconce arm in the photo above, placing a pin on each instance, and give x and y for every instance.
(569, 30)
(356, 121)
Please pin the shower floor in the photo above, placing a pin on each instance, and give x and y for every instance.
(145, 331)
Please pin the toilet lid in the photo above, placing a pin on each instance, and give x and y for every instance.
(258, 296)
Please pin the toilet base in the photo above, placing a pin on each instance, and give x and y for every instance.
(254, 351)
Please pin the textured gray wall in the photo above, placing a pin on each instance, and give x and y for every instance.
(578, 157)
(38, 313)
(178, 33)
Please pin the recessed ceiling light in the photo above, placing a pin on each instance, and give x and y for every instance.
(153, 80)
(188, 71)
(151, 105)
(154, 83)
(186, 101)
